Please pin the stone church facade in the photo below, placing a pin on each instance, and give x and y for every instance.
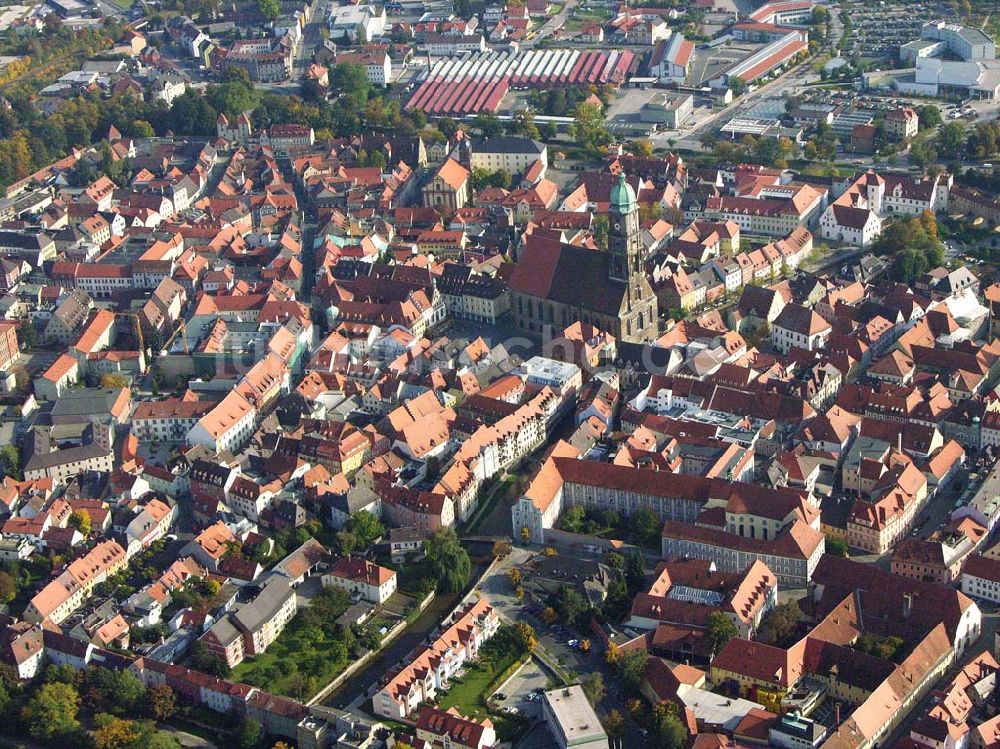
(554, 285)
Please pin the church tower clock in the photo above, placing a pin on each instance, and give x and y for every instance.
(626, 251)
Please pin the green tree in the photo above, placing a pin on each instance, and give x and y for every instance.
(572, 519)
(644, 525)
(249, 734)
(10, 462)
(914, 244)
(233, 97)
(116, 692)
(836, 546)
(780, 623)
(984, 139)
(908, 265)
(631, 668)
(922, 154)
(523, 123)
(347, 542)
(488, 124)
(27, 335)
(951, 139)
(719, 629)
(708, 139)
(593, 687)
(483, 178)
(589, 129)
(737, 85)
(204, 660)
(635, 572)
(351, 79)
(8, 587)
(270, 9)
(191, 114)
(142, 129)
(669, 729)
(929, 116)
(601, 228)
(890, 647)
(447, 127)
(449, 562)
(570, 604)
(366, 528)
(774, 151)
(51, 712)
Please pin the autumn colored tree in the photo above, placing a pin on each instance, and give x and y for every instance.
(501, 548)
(524, 635)
(613, 654)
(80, 519)
(161, 702)
(116, 734)
(614, 724)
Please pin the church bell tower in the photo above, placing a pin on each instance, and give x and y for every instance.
(624, 233)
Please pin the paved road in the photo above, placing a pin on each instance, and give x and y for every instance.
(551, 25)
(312, 37)
(532, 676)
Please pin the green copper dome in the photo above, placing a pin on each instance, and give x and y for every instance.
(622, 197)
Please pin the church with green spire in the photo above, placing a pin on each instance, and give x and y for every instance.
(555, 284)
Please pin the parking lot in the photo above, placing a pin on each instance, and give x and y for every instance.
(878, 31)
(522, 692)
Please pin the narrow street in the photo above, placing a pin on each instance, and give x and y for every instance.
(312, 37)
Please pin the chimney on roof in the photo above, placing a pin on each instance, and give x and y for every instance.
(836, 715)
(907, 605)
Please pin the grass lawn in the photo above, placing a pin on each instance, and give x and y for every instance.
(468, 696)
(306, 656)
(580, 18)
(284, 669)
